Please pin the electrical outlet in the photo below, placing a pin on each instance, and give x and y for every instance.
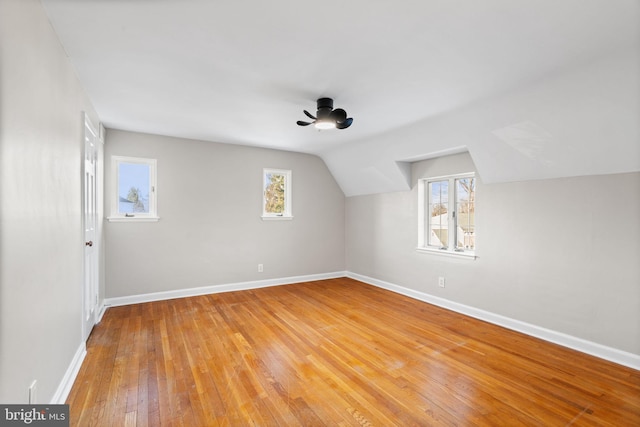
(260, 268)
(441, 281)
(32, 392)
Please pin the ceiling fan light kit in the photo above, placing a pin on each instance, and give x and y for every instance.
(324, 124)
(326, 117)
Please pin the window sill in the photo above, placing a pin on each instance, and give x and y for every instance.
(277, 218)
(466, 255)
(133, 219)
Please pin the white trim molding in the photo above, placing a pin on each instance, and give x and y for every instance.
(425, 232)
(287, 213)
(101, 311)
(604, 352)
(206, 290)
(434, 251)
(64, 388)
(152, 209)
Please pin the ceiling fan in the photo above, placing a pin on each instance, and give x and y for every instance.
(327, 117)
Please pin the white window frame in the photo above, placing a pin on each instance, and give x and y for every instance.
(288, 195)
(452, 217)
(152, 215)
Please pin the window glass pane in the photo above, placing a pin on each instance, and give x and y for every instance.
(438, 215)
(465, 213)
(274, 193)
(133, 188)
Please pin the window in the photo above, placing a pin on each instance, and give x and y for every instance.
(447, 214)
(134, 189)
(276, 195)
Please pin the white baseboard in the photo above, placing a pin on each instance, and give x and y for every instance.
(62, 392)
(240, 286)
(101, 312)
(608, 353)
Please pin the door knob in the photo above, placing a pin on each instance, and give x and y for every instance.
(89, 243)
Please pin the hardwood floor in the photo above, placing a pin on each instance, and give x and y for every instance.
(335, 352)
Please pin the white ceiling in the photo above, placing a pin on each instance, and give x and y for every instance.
(243, 71)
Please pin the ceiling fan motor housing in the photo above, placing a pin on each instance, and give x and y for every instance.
(325, 106)
(325, 103)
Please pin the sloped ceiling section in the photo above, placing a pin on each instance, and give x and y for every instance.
(533, 89)
(581, 121)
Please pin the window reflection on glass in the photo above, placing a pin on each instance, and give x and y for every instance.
(438, 213)
(274, 193)
(465, 213)
(133, 188)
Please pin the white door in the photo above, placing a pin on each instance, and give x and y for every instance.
(90, 299)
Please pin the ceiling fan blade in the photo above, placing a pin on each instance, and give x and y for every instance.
(301, 123)
(345, 124)
(308, 114)
(339, 115)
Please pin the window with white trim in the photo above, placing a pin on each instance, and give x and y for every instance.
(134, 189)
(447, 214)
(276, 194)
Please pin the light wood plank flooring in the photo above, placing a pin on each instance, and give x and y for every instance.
(335, 353)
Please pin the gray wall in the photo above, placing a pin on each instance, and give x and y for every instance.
(560, 253)
(41, 239)
(211, 231)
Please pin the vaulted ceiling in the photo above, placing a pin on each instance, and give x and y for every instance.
(533, 89)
